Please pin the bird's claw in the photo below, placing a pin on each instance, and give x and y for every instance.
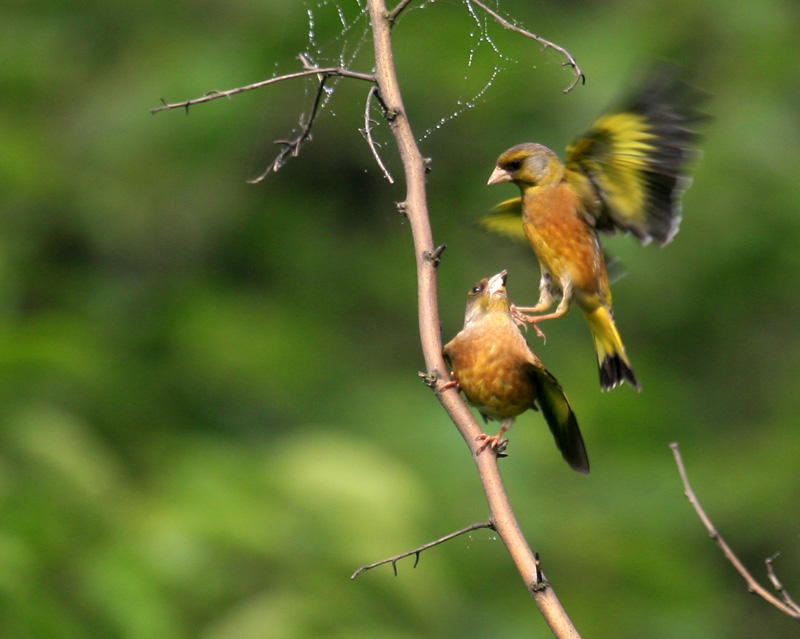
(521, 319)
(495, 442)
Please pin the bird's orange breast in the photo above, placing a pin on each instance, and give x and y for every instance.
(493, 371)
(566, 245)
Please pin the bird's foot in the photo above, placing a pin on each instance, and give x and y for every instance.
(451, 384)
(522, 319)
(495, 442)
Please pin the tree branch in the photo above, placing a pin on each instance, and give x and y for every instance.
(502, 516)
(292, 147)
(392, 16)
(214, 95)
(579, 77)
(417, 551)
(787, 605)
(776, 583)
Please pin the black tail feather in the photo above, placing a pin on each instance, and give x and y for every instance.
(614, 371)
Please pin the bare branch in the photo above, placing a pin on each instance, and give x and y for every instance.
(786, 606)
(213, 95)
(579, 77)
(292, 147)
(417, 551)
(367, 133)
(392, 16)
(776, 583)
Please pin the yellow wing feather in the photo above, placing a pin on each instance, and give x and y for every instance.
(505, 219)
(630, 167)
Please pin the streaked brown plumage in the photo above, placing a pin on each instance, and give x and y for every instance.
(502, 377)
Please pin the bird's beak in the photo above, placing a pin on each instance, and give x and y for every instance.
(497, 283)
(499, 175)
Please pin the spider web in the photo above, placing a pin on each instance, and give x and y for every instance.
(338, 31)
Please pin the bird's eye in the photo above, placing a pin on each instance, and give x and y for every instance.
(514, 165)
(477, 289)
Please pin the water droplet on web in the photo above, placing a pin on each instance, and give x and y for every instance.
(341, 16)
(339, 29)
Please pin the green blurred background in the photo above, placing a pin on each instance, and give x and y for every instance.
(210, 413)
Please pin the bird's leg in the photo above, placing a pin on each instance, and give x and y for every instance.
(453, 383)
(520, 313)
(560, 311)
(521, 317)
(495, 442)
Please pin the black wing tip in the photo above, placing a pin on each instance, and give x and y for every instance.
(667, 88)
(564, 427)
(580, 469)
(615, 371)
(671, 105)
(570, 442)
(578, 460)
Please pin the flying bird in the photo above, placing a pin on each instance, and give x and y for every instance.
(627, 173)
(502, 377)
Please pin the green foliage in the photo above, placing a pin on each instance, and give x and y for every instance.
(210, 414)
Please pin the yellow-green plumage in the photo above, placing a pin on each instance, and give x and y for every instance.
(627, 172)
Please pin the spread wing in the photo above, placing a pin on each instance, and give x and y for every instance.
(630, 167)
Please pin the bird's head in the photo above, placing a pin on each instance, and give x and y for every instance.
(487, 296)
(528, 165)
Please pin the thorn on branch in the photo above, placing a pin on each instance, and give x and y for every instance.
(417, 551)
(435, 256)
(430, 379)
(391, 114)
(580, 75)
(217, 92)
(540, 583)
(402, 208)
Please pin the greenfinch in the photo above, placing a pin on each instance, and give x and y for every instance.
(502, 377)
(627, 172)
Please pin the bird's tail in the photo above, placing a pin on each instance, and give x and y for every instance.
(561, 420)
(615, 367)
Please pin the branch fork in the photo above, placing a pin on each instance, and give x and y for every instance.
(783, 602)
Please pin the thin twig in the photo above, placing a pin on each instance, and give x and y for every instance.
(213, 95)
(788, 607)
(776, 583)
(424, 547)
(579, 77)
(292, 147)
(392, 16)
(367, 133)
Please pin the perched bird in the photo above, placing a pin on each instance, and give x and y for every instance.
(502, 377)
(627, 172)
